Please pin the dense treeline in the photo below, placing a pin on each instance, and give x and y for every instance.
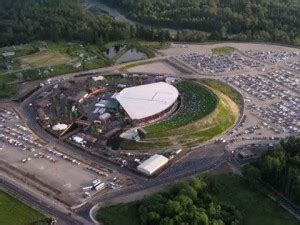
(187, 203)
(261, 20)
(23, 21)
(279, 167)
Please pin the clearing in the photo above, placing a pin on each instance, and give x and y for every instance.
(46, 58)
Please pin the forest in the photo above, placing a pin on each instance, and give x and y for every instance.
(23, 21)
(243, 20)
(280, 168)
(187, 203)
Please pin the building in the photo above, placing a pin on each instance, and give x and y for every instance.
(98, 78)
(148, 102)
(8, 54)
(152, 164)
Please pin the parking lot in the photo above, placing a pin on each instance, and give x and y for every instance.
(272, 56)
(68, 176)
(217, 64)
(267, 77)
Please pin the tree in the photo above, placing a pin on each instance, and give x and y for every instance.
(172, 208)
(253, 176)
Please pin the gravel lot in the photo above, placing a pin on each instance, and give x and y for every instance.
(156, 67)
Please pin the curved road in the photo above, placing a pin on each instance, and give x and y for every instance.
(193, 163)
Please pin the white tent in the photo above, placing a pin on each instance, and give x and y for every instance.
(152, 164)
(147, 100)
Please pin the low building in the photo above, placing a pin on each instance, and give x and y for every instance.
(98, 78)
(151, 165)
(8, 54)
(88, 138)
(59, 127)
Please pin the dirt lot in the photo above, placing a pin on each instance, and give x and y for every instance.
(179, 49)
(161, 67)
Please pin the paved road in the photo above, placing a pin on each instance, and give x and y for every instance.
(193, 163)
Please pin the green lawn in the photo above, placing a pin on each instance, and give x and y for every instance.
(222, 51)
(197, 102)
(256, 208)
(14, 212)
(225, 89)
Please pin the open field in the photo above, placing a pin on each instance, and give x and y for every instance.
(228, 189)
(222, 50)
(178, 49)
(14, 212)
(255, 207)
(125, 214)
(225, 89)
(161, 66)
(46, 58)
(197, 102)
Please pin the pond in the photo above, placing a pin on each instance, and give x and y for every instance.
(132, 54)
(112, 52)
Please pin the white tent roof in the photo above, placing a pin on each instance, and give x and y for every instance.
(152, 164)
(147, 100)
(59, 127)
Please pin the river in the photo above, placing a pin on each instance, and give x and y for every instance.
(102, 8)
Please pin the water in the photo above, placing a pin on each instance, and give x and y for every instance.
(131, 55)
(112, 52)
(100, 7)
(96, 5)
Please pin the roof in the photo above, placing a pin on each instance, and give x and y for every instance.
(152, 164)
(147, 100)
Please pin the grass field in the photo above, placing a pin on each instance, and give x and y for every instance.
(46, 58)
(197, 102)
(222, 51)
(225, 89)
(14, 212)
(256, 208)
(123, 214)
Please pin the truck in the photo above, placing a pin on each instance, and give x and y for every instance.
(88, 188)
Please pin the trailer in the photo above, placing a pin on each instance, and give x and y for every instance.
(88, 188)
